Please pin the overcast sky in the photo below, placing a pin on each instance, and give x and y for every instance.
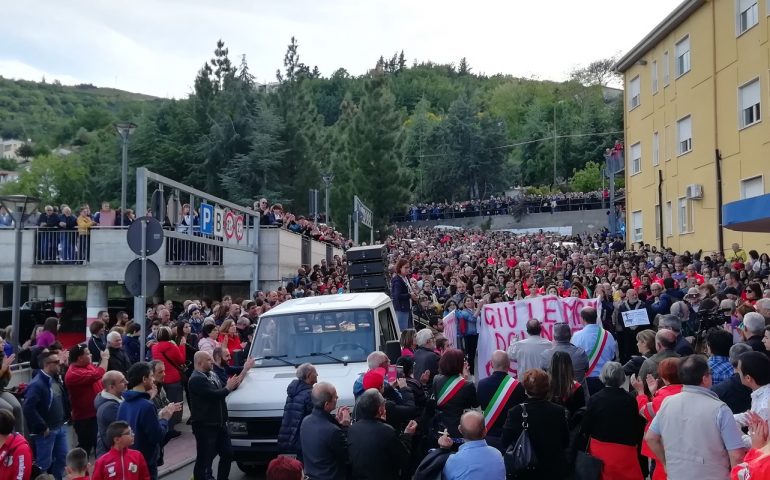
(157, 46)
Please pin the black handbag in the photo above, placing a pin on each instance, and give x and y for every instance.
(520, 456)
(587, 467)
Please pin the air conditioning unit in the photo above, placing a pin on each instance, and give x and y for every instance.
(694, 191)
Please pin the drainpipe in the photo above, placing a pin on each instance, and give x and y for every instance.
(718, 163)
(660, 208)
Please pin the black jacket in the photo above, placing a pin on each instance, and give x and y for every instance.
(736, 395)
(487, 388)
(298, 406)
(324, 446)
(118, 360)
(548, 433)
(756, 344)
(377, 451)
(448, 416)
(612, 415)
(425, 359)
(207, 400)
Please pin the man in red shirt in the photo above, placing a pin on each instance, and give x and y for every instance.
(15, 454)
(84, 382)
(121, 462)
(692, 273)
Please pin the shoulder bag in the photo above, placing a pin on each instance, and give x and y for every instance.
(520, 457)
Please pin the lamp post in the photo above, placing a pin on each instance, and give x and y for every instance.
(125, 129)
(327, 179)
(19, 207)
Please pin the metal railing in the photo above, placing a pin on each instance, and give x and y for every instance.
(190, 252)
(62, 247)
(530, 205)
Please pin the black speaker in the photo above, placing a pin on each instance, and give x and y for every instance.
(366, 254)
(369, 268)
(370, 283)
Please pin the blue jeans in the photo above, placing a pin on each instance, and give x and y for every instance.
(51, 452)
(403, 320)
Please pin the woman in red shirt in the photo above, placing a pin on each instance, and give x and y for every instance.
(648, 407)
(229, 338)
(174, 358)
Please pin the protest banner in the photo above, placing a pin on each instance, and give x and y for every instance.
(500, 323)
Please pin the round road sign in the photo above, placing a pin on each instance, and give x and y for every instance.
(239, 227)
(134, 277)
(153, 235)
(229, 224)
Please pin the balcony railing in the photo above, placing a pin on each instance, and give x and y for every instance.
(61, 247)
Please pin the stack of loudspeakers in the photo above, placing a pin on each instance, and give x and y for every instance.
(367, 271)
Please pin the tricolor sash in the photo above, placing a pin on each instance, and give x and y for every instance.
(450, 389)
(499, 400)
(596, 352)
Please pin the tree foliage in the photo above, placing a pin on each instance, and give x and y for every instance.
(398, 133)
(588, 178)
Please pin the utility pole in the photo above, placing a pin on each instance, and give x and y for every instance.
(327, 179)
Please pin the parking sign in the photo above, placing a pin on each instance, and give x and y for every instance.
(207, 219)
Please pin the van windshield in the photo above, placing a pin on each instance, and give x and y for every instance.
(318, 338)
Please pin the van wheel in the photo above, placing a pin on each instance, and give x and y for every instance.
(250, 469)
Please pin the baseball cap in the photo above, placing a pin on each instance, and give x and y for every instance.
(693, 291)
(374, 378)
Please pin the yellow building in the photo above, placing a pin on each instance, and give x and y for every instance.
(696, 144)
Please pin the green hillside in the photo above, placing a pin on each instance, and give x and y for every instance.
(51, 114)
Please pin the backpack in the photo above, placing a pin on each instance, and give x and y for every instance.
(432, 466)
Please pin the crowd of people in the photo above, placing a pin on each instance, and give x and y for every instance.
(505, 205)
(619, 397)
(63, 235)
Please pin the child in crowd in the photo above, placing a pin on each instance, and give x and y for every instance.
(121, 462)
(77, 464)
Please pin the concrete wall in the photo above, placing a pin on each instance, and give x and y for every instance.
(581, 221)
(280, 256)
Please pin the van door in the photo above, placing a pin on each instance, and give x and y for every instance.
(387, 326)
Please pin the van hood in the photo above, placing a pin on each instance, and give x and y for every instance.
(264, 389)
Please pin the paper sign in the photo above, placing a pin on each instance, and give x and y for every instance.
(635, 318)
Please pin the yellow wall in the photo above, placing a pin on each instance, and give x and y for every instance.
(720, 63)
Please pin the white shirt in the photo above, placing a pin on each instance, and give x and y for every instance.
(527, 353)
(759, 405)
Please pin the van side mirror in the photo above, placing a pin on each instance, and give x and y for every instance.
(392, 349)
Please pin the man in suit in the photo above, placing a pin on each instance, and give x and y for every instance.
(496, 406)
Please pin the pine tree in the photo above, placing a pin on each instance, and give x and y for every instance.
(375, 140)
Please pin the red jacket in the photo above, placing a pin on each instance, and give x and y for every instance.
(15, 458)
(168, 352)
(116, 465)
(83, 385)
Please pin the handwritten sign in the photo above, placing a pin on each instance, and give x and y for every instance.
(635, 318)
(501, 323)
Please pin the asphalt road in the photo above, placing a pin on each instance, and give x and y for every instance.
(235, 473)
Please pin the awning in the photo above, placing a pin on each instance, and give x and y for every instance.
(748, 215)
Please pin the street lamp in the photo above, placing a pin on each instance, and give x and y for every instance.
(327, 179)
(19, 207)
(125, 129)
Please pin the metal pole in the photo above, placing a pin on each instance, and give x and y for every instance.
(124, 177)
(613, 214)
(140, 302)
(355, 219)
(16, 308)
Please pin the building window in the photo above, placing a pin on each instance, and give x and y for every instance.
(683, 56)
(684, 135)
(657, 221)
(636, 158)
(636, 226)
(667, 226)
(654, 74)
(655, 149)
(752, 187)
(748, 15)
(685, 215)
(748, 102)
(665, 68)
(634, 93)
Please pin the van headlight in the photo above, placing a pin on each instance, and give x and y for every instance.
(237, 428)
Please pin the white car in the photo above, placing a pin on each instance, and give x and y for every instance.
(333, 332)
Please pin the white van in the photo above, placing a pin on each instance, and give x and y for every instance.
(333, 332)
